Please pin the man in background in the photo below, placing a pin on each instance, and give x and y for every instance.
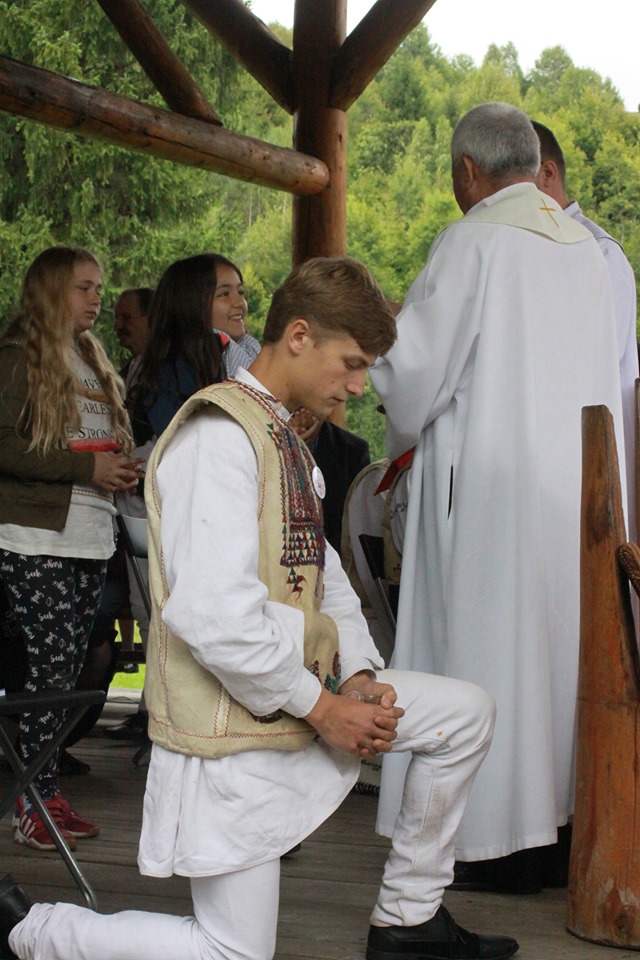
(131, 326)
(551, 180)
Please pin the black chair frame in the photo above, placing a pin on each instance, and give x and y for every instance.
(75, 703)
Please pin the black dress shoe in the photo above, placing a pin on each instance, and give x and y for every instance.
(437, 939)
(14, 906)
(134, 728)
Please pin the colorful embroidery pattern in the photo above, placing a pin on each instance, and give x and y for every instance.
(332, 680)
(302, 525)
(303, 543)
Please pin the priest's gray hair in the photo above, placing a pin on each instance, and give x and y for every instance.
(499, 138)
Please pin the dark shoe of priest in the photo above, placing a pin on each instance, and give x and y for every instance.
(523, 872)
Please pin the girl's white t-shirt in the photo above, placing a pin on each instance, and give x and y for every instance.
(88, 532)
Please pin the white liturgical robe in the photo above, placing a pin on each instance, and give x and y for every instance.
(501, 342)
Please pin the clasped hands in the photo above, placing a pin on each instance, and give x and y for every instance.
(116, 471)
(361, 727)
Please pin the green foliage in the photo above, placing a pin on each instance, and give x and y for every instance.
(549, 70)
(490, 82)
(380, 145)
(364, 419)
(616, 185)
(506, 59)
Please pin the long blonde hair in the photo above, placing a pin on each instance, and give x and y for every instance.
(43, 324)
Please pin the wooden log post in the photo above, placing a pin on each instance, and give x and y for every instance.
(319, 227)
(604, 871)
(320, 224)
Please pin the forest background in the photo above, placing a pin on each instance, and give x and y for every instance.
(138, 214)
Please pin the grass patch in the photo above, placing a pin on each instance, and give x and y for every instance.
(134, 681)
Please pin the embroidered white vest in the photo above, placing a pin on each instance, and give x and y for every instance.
(189, 709)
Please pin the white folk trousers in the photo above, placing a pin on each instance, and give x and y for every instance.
(447, 730)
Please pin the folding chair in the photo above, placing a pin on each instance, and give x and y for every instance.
(373, 550)
(133, 531)
(363, 515)
(76, 702)
(133, 534)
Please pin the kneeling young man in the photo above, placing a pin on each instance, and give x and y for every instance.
(263, 686)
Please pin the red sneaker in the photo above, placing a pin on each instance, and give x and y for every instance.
(31, 830)
(77, 826)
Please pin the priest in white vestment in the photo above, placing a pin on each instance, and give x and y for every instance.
(501, 342)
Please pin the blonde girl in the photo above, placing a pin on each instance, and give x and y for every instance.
(64, 438)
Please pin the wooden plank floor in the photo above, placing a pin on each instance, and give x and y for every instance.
(327, 888)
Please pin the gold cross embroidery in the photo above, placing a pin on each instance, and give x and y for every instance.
(545, 209)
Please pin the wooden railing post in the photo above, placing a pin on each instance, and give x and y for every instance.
(604, 872)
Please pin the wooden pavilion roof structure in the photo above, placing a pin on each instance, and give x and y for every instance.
(316, 81)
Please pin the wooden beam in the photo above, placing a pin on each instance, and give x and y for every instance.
(369, 46)
(252, 44)
(90, 112)
(157, 59)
